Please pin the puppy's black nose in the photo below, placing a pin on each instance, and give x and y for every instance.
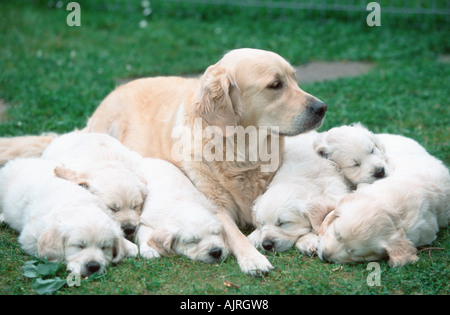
(93, 266)
(319, 109)
(379, 172)
(267, 245)
(215, 252)
(128, 229)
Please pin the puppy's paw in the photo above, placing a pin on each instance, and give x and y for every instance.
(254, 238)
(255, 264)
(148, 252)
(132, 249)
(308, 244)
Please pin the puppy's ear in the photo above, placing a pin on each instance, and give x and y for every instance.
(219, 98)
(321, 146)
(71, 175)
(51, 245)
(400, 250)
(327, 221)
(318, 212)
(163, 241)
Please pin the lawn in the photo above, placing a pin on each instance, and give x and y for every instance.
(53, 77)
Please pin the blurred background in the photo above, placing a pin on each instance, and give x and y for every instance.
(53, 76)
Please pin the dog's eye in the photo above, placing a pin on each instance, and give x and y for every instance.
(81, 246)
(356, 164)
(115, 207)
(276, 85)
(193, 241)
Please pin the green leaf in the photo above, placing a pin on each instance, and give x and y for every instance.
(48, 286)
(47, 269)
(30, 271)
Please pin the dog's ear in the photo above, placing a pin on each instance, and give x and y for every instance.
(400, 250)
(219, 103)
(318, 212)
(327, 221)
(321, 146)
(78, 178)
(163, 241)
(51, 245)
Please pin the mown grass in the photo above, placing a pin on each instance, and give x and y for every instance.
(54, 76)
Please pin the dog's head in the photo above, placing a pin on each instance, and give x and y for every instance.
(361, 230)
(120, 189)
(357, 152)
(198, 237)
(251, 87)
(282, 218)
(88, 242)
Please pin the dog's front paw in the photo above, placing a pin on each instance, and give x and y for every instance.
(132, 249)
(308, 244)
(255, 264)
(148, 252)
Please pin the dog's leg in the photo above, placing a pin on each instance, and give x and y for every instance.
(143, 235)
(250, 260)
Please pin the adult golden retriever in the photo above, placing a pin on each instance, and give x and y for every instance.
(247, 87)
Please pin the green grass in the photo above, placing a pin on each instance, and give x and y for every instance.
(54, 76)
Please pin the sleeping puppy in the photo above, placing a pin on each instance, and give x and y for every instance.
(304, 190)
(59, 220)
(394, 215)
(106, 168)
(177, 218)
(357, 152)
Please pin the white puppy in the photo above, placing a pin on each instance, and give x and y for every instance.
(394, 215)
(357, 152)
(177, 218)
(106, 168)
(58, 219)
(304, 190)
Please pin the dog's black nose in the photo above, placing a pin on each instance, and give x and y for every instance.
(319, 109)
(128, 229)
(215, 252)
(379, 172)
(93, 266)
(267, 245)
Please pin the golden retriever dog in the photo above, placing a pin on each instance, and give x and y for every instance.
(249, 93)
(102, 165)
(357, 152)
(177, 218)
(304, 190)
(58, 219)
(246, 88)
(393, 215)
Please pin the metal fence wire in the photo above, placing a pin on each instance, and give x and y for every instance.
(405, 7)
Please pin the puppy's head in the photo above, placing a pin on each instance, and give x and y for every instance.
(87, 243)
(121, 190)
(251, 87)
(199, 238)
(282, 218)
(357, 152)
(360, 230)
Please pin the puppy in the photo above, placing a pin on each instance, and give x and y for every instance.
(357, 152)
(177, 218)
(106, 168)
(394, 215)
(304, 190)
(59, 220)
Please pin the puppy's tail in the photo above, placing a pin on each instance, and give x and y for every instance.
(24, 146)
